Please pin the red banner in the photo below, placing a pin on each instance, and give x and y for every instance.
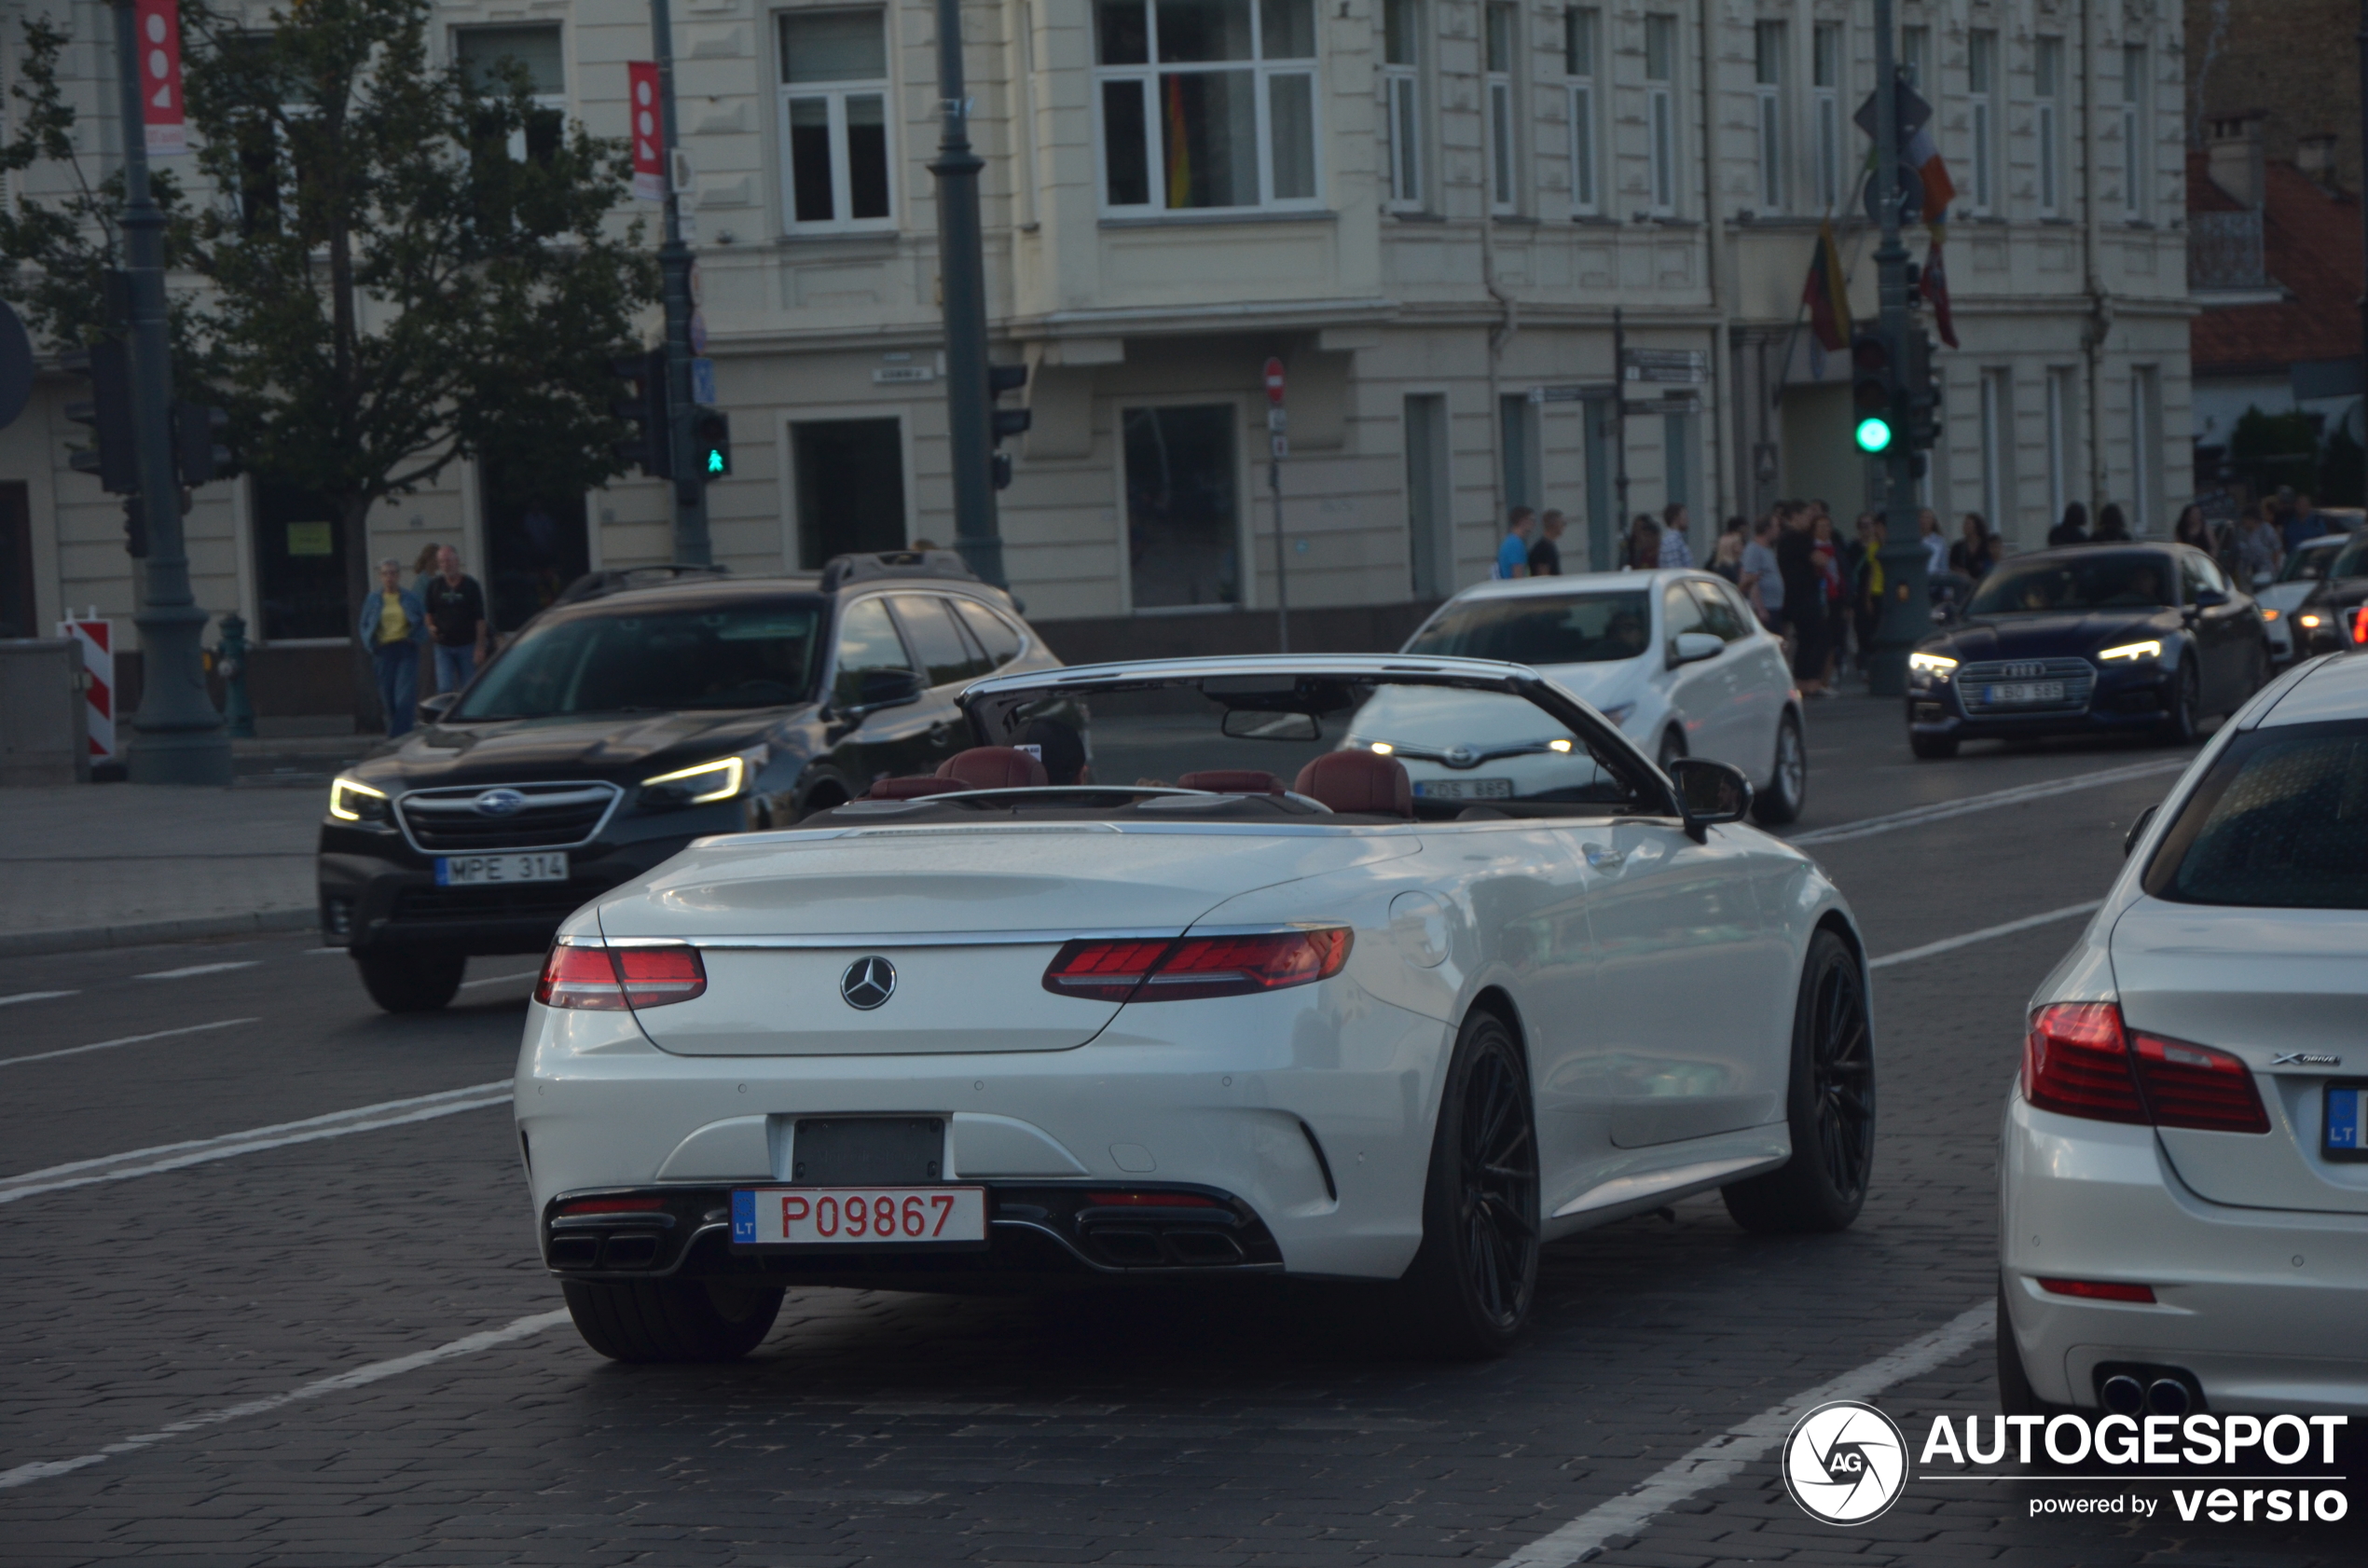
(156, 25)
(649, 140)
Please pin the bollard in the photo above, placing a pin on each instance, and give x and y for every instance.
(230, 663)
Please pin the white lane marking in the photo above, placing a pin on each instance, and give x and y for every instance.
(199, 968)
(498, 978)
(1949, 944)
(361, 1377)
(316, 952)
(34, 996)
(126, 1040)
(199, 1151)
(1722, 1458)
(1916, 816)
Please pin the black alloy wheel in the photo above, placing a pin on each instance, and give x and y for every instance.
(1788, 782)
(1474, 1281)
(412, 979)
(1830, 1105)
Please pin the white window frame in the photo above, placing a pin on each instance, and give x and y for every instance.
(1582, 68)
(1402, 122)
(2143, 476)
(836, 94)
(2047, 121)
(1664, 156)
(2137, 146)
(1263, 73)
(1503, 127)
(1769, 42)
(1915, 53)
(1826, 65)
(2061, 453)
(1994, 440)
(1984, 119)
(555, 101)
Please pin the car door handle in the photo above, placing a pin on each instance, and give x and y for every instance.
(1602, 858)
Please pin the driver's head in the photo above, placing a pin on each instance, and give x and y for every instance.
(1058, 748)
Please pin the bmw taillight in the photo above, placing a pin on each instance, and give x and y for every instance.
(2079, 1061)
(1160, 970)
(611, 979)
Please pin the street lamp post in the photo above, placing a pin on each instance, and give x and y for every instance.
(1907, 609)
(176, 735)
(962, 280)
(691, 547)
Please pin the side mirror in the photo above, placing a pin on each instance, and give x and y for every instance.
(2210, 599)
(1693, 647)
(875, 689)
(2138, 829)
(434, 709)
(1711, 793)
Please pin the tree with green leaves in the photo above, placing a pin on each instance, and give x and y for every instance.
(382, 287)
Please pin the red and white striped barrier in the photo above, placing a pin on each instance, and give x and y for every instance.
(97, 638)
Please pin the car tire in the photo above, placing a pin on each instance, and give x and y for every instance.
(672, 1320)
(412, 980)
(1829, 1105)
(1932, 748)
(1787, 789)
(1671, 747)
(2185, 716)
(1470, 1287)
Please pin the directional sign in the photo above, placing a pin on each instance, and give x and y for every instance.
(1681, 366)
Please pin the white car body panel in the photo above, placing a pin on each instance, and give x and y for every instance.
(2256, 1247)
(1595, 934)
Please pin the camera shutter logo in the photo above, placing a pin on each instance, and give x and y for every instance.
(1845, 1463)
(867, 983)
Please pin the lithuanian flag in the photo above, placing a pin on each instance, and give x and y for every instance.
(1828, 293)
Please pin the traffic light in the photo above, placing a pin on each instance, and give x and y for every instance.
(1874, 391)
(1922, 389)
(1002, 423)
(108, 413)
(711, 442)
(198, 456)
(649, 411)
(135, 528)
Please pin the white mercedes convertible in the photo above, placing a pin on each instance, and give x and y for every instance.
(987, 1029)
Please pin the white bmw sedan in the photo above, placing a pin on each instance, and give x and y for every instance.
(1676, 659)
(2183, 1181)
(976, 1029)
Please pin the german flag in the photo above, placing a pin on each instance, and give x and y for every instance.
(1828, 293)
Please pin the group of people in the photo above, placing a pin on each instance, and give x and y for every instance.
(1532, 542)
(2256, 546)
(443, 609)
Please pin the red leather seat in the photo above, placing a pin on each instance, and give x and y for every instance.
(1233, 781)
(1360, 781)
(911, 788)
(994, 767)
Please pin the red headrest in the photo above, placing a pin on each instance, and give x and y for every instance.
(994, 767)
(911, 788)
(1233, 781)
(1358, 781)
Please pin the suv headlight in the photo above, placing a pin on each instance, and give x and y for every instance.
(718, 781)
(1934, 666)
(352, 801)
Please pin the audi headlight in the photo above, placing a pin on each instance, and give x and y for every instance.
(718, 781)
(352, 801)
(2133, 652)
(1936, 666)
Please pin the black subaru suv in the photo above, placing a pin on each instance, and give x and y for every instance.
(644, 709)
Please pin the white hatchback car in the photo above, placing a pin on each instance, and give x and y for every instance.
(2183, 1178)
(1676, 659)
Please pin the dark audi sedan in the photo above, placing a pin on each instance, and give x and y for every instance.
(2150, 638)
(618, 727)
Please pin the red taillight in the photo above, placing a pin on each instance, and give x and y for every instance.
(2077, 1060)
(613, 1206)
(1128, 969)
(2098, 1289)
(2359, 625)
(611, 979)
(1150, 1200)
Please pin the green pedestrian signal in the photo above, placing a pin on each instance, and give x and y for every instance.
(715, 462)
(1874, 434)
(711, 442)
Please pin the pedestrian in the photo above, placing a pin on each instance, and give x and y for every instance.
(1936, 544)
(2257, 553)
(1643, 545)
(2193, 527)
(1866, 599)
(2303, 519)
(455, 617)
(1804, 601)
(1726, 555)
(1977, 549)
(2111, 527)
(394, 625)
(2073, 530)
(1677, 550)
(423, 568)
(1829, 596)
(1545, 552)
(1512, 551)
(1762, 579)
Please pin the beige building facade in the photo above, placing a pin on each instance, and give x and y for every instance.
(1437, 213)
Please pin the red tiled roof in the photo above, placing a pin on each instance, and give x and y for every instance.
(2312, 248)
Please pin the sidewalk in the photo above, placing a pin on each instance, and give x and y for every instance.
(108, 865)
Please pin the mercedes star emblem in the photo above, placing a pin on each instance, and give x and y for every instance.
(499, 803)
(868, 983)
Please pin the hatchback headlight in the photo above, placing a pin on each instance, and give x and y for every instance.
(352, 801)
(2133, 652)
(1936, 665)
(718, 781)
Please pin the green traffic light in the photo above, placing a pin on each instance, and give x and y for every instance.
(1873, 434)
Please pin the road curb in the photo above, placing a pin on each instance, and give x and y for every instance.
(140, 933)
